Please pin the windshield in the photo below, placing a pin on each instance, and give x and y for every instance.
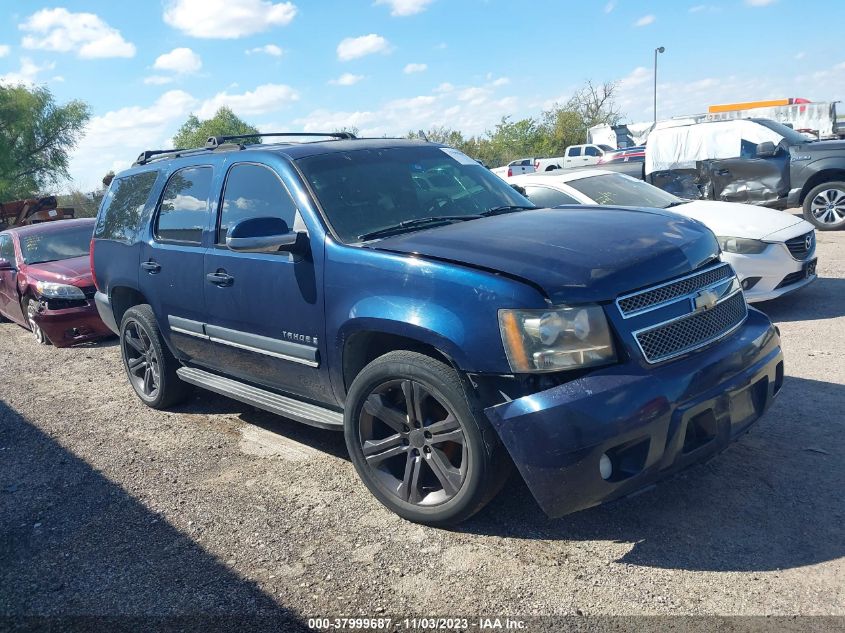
(789, 135)
(363, 191)
(622, 190)
(50, 246)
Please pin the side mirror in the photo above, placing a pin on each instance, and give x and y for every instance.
(261, 235)
(5, 264)
(766, 149)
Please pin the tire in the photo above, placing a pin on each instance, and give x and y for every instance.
(438, 477)
(30, 309)
(149, 364)
(824, 206)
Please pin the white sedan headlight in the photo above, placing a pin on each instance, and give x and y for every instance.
(556, 339)
(741, 245)
(52, 290)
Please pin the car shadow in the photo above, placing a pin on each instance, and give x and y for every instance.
(74, 542)
(772, 501)
(822, 299)
(209, 403)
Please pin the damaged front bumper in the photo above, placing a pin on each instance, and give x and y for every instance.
(71, 325)
(615, 430)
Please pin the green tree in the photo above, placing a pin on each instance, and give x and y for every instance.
(195, 133)
(36, 136)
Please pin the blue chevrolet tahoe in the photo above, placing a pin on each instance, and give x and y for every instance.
(398, 291)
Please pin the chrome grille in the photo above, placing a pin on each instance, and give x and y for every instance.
(634, 303)
(798, 246)
(690, 332)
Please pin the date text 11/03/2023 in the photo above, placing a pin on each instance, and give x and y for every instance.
(414, 624)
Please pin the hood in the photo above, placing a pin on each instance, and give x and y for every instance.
(740, 220)
(75, 271)
(823, 146)
(574, 254)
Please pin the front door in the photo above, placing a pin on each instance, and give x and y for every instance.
(265, 310)
(9, 301)
(171, 274)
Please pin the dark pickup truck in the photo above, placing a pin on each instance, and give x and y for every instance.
(797, 171)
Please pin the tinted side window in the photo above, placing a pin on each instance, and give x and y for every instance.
(184, 206)
(7, 248)
(574, 151)
(122, 206)
(253, 191)
(545, 197)
(592, 151)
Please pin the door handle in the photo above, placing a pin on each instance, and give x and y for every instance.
(723, 172)
(220, 278)
(151, 267)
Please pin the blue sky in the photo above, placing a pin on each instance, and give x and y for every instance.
(389, 66)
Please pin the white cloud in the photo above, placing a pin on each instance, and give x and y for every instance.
(501, 81)
(645, 20)
(27, 74)
(397, 116)
(610, 6)
(265, 98)
(444, 87)
(355, 47)
(4, 50)
(267, 49)
(759, 3)
(800, 55)
(114, 139)
(227, 19)
(401, 8)
(157, 80)
(179, 60)
(415, 68)
(346, 79)
(442, 46)
(87, 34)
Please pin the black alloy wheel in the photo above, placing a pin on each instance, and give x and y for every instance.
(413, 443)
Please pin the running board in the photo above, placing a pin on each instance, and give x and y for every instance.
(304, 412)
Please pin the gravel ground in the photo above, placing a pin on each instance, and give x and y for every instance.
(108, 508)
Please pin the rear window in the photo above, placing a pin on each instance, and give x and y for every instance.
(123, 205)
(184, 206)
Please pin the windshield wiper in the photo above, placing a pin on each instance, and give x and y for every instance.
(505, 209)
(402, 226)
(675, 204)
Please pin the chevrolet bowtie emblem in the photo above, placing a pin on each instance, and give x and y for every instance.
(704, 300)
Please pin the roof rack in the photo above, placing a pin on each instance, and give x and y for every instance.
(215, 141)
(220, 143)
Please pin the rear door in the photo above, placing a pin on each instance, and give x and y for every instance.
(9, 301)
(171, 266)
(573, 156)
(264, 310)
(592, 155)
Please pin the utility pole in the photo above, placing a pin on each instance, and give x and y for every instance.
(659, 49)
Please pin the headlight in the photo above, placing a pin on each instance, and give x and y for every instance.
(556, 339)
(53, 290)
(741, 245)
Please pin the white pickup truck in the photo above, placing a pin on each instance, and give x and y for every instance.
(516, 168)
(573, 156)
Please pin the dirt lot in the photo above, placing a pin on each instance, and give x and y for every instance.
(110, 508)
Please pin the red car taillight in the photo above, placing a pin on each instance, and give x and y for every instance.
(510, 172)
(91, 263)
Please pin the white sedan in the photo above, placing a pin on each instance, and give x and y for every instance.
(771, 251)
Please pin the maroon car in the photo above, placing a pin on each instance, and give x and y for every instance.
(46, 283)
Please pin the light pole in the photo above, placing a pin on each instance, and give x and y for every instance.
(659, 49)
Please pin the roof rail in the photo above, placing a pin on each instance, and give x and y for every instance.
(221, 143)
(214, 141)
